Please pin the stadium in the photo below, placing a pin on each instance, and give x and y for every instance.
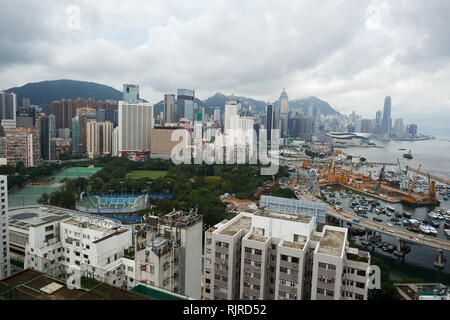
(120, 207)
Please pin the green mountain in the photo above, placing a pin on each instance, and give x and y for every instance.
(43, 93)
(304, 104)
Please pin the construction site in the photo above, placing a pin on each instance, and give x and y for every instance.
(394, 185)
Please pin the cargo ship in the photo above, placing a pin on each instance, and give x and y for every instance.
(408, 155)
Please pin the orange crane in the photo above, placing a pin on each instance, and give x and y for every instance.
(414, 200)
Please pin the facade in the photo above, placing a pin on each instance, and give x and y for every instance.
(107, 134)
(185, 104)
(161, 141)
(4, 241)
(135, 125)
(278, 255)
(8, 106)
(399, 128)
(169, 108)
(43, 127)
(115, 142)
(80, 243)
(52, 126)
(131, 93)
(168, 253)
(270, 119)
(231, 110)
(76, 135)
(23, 145)
(93, 139)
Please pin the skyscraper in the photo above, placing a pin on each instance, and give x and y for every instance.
(231, 109)
(43, 127)
(135, 125)
(185, 104)
(52, 126)
(270, 114)
(399, 128)
(76, 135)
(8, 106)
(131, 93)
(4, 241)
(386, 121)
(169, 108)
(284, 106)
(23, 145)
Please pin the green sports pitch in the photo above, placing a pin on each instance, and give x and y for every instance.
(151, 174)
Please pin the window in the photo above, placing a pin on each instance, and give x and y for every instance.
(258, 252)
(360, 285)
(248, 250)
(361, 273)
(322, 265)
(282, 294)
(208, 251)
(330, 293)
(331, 267)
(295, 260)
(283, 270)
(284, 257)
(320, 291)
(226, 245)
(283, 282)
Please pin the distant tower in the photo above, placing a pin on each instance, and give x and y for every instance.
(284, 109)
(270, 112)
(185, 104)
(386, 122)
(131, 93)
(169, 108)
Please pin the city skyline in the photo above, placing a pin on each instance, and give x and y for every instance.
(382, 48)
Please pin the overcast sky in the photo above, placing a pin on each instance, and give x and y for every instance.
(349, 53)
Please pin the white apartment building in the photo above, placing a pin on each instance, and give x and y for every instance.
(107, 137)
(231, 108)
(272, 254)
(135, 125)
(4, 241)
(168, 253)
(81, 244)
(93, 139)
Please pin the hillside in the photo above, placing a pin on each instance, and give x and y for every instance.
(43, 93)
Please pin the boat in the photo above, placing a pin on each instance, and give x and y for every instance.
(408, 155)
(432, 230)
(406, 222)
(402, 149)
(424, 228)
(407, 214)
(413, 228)
(390, 208)
(433, 215)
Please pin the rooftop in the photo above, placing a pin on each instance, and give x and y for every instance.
(294, 245)
(332, 242)
(29, 284)
(237, 225)
(297, 217)
(258, 238)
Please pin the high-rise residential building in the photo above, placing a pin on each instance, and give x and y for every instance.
(8, 106)
(386, 121)
(169, 108)
(284, 109)
(270, 118)
(93, 139)
(85, 115)
(168, 253)
(107, 131)
(231, 109)
(81, 244)
(278, 253)
(131, 93)
(23, 145)
(43, 127)
(51, 126)
(115, 142)
(4, 241)
(185, 104)
(217, 115)
(135, 124)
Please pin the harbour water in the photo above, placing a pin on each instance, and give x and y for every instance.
(434, 155)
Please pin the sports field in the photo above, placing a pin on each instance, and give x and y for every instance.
(151, 174)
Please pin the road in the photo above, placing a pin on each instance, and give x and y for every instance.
(405, 235)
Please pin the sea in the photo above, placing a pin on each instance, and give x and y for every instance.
(434, 156)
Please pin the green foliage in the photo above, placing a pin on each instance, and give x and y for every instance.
(283, 193)
(387, 291)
